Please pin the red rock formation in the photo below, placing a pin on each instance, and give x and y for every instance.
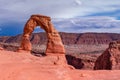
(110, 59)
(1, 48)
(92, 38)
(54, 44)
(55, 50)
(68, 38)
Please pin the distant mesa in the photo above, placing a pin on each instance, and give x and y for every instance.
(67, 38)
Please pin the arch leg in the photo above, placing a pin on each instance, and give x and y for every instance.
(28, 29)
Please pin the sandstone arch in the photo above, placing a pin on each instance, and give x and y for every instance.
(54, 44)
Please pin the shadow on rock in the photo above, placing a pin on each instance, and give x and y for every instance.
(76, 62)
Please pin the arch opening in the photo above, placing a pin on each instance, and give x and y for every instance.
(38, 30)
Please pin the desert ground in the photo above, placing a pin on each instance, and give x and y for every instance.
(24, 66)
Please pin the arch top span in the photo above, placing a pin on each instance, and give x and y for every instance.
(54, 43)
(41, 16)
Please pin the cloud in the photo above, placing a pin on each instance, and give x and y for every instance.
(18, 10)
(73, 14)
(78, 2)
(88, 24)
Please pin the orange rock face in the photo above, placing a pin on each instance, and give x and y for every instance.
(1, 48)
(110, 59)
(54, 44)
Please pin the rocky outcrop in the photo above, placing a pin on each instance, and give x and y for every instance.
(54, 43)
(110, 59)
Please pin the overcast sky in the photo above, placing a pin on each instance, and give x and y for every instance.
(73, 15)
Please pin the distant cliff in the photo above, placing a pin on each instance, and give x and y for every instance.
(67, 38)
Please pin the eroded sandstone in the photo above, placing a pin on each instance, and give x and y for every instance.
(55, 49)
(54, 43)
(110, 59)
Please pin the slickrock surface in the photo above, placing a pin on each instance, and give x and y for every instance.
(20, 66)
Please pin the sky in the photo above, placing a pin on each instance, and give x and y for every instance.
(67, 15)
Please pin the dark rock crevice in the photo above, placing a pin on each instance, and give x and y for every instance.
(76, 62)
